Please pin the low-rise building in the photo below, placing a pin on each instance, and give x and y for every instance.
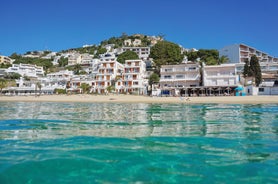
(142, 52)
(6, 60)
(27, 70)
(220, 79)
(82, 59)
(179, 79)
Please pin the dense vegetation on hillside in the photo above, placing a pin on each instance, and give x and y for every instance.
(126, 56)
(163, 53)
(166, 53)
(45, 63)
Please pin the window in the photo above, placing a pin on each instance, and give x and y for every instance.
(261, 89)
(167, 77)
(135, 83)
(179, 76)
(168, 70)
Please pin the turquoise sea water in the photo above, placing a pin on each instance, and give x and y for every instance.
(138, 143)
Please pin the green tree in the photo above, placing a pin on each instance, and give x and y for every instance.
(85, 87)
(208, 56)
(38, 86)
(165, 53)
(63, 62)
(246, 69)
(3, 84)
(256, 70)
(126, 56)
(154, 78)
(76, 69)
(192, 56)
(60, 91)
(223, 59)
(252, 69)
(110, 88)
(100, 50)
(12, 76)
(3, 65)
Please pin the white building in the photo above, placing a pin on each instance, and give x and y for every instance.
(133, 78)
(220, 79)
(27, 70)
(63, 75)
(108, 70)
(176, 79)
(238, 53)
(142, 52)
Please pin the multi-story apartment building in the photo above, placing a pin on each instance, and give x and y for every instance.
(183, 75)
(239, 53)
(108, 70)
(26, 70)
(60, 76)
(219, 79)
(176, 79)
(83, 59)
(133, 78)
(5, 60)
(142, 52)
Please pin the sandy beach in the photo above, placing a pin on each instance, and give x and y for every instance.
(142, 99)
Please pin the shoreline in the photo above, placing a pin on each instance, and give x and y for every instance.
(143, 99)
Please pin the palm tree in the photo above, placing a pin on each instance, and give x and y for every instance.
(3, 84)
(38, 85)
(85, 87)
(223, 59)
(77, 69)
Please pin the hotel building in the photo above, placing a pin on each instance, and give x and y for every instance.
(238, 53)
(108, 70)
(219, 79)
(133, 78)
(26, 70)
(177, 79)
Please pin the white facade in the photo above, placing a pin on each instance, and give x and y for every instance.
(220, 76)
(133, 78)
(61, 75)
(142, 52)
(182, 75)
(26, 70)
(108, 70)
(238, 53)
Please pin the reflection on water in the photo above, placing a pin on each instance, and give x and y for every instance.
(53, 120)
(154, 143)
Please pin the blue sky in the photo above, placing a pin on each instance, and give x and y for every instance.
(210, 24)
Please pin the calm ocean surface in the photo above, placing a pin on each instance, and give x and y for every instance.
(138, 143)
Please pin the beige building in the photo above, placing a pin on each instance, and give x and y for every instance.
(82, 59)
(6, 60)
